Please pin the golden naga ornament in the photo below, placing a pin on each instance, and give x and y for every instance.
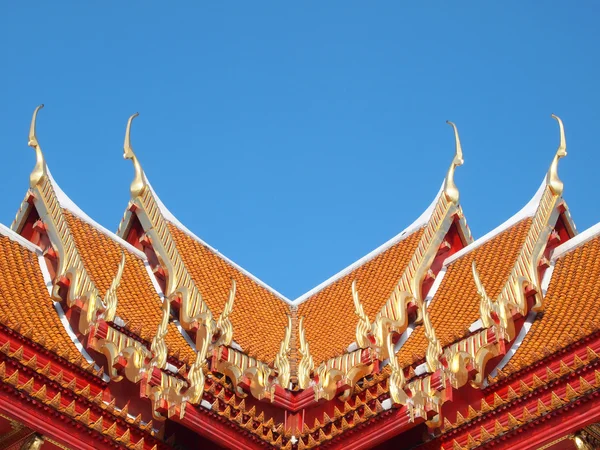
(434, 347)
(450, 189)
(282, 362)
(363, 327)
(397, 380)
(306, 365)
(525, 273)
(139, 180)
(194, 313)
(39, 171)
(159, 346)
(110, 298)
(552, 178)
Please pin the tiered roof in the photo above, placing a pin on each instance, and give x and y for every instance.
(430, 330)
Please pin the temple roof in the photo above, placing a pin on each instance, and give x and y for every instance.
(139, 306)
(455, 304)
(572, 307)
(258, 316)
(25, 304)
(329, 312)
(408, 325)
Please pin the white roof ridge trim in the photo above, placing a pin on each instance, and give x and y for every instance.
(5, 231)
(419, 223)
(576, 241)
(168, 215)
(527, 211)
(70, 205)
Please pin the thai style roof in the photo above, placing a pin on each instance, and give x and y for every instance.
(329, 312)
(455, 305)
(213, 274)
(470, 340)
(572, 309)
(25, 304)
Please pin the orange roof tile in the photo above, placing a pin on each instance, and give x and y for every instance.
(259, 317)
(571, 305)
(330, 319)
(138, 302)
(24, 299)
(455, 305)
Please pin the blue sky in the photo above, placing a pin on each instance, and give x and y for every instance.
(296, 138)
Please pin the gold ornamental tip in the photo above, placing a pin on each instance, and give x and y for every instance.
(552, 179)
(450, 189)
(562, 147)
(39, 171)
(139, 180)
(33, 142)
(127, 150)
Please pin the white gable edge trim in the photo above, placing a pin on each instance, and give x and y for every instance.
(70, 205)
(527, 211)
(417, 224)
(5, 231)
(576, 241)
(168, 215)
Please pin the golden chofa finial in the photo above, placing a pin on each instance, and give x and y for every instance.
(139, 181)
(450, 189)
(552, 179)
(39, 171)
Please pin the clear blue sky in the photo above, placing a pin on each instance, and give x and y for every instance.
(297, 137)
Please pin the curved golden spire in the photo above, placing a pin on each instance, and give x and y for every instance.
(485, 303)
(110, 299)
(139, 181)
(306, 364)
(450, 188)
(552, 179)
(363, 327)
(39, 171)
(282, 362)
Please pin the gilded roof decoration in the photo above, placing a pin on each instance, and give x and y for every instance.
(156, 329)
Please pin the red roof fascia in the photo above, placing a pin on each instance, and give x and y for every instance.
(376, 431)
(543, 393)
(44, 356)
(217, 429)
(49, 422)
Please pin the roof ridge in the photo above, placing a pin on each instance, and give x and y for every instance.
(576, 241)
(13, 236)
(419, 223)
(525, 212)
(170, 217)
(65, 202)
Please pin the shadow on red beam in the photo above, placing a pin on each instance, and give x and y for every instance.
(217, 429)
(39, 418)
(376, 431)
(294, 401)
(45, 356)
(549, 427)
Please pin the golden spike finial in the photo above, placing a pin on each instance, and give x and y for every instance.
(110, 299)
(397, 380)
(282, 362)
(223, 325)
(139, 181)
(552, 179)
(434, 347)
(39, 171)
(450, 188)
(485, 303)
(159, 346)
(363, 327)
(306, 364)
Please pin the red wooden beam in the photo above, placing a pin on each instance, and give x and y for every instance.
(228, 435)
(39, 418)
